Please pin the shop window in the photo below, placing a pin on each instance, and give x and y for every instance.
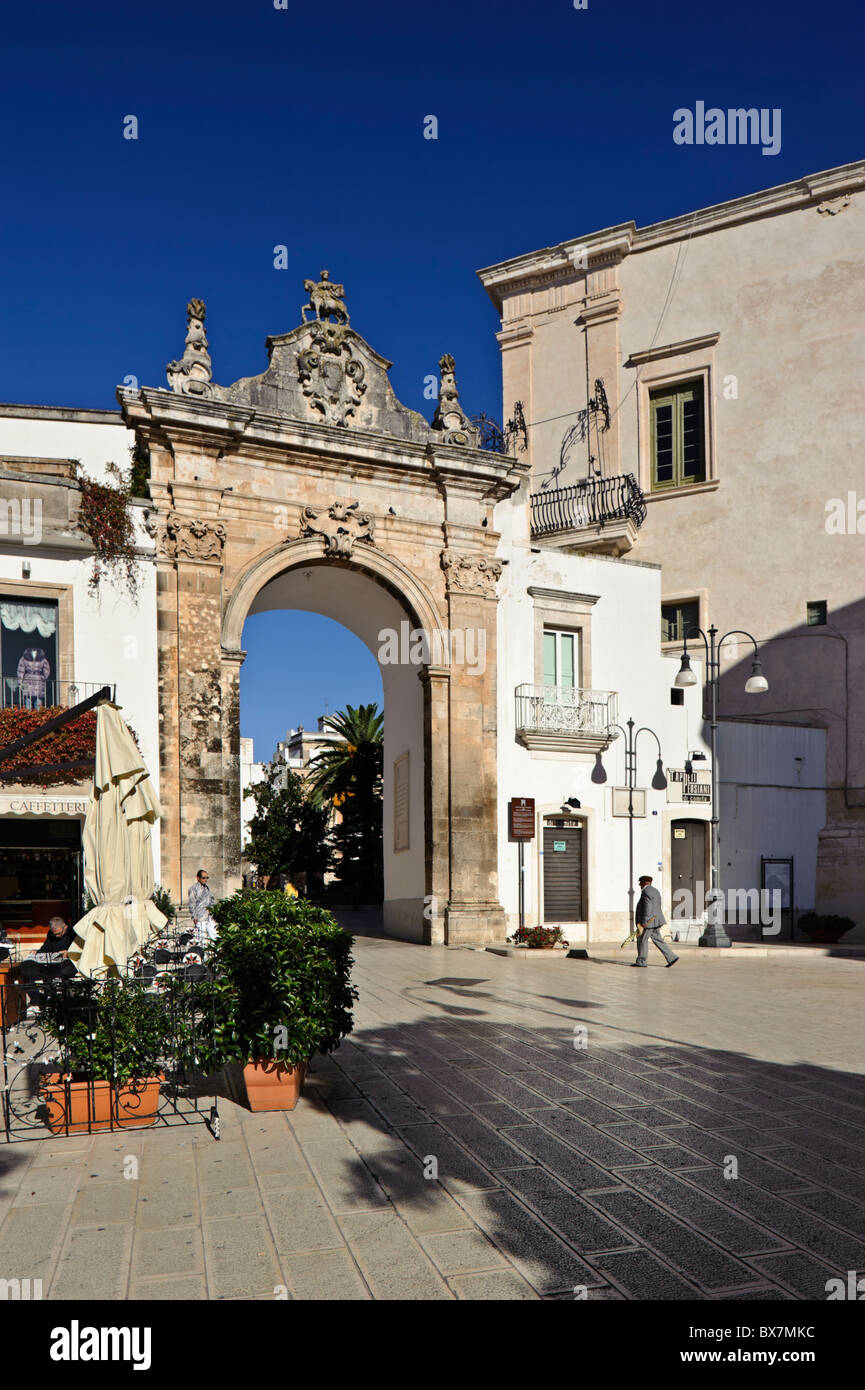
(28, 652)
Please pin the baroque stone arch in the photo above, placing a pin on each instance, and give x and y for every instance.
(314, 464)
(298, 575)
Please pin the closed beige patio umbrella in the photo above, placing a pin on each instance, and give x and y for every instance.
(118, 858)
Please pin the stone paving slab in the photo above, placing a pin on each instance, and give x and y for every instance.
(391, 1260)
(325, 1275)
(597, 1168)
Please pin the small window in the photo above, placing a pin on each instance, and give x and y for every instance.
(677, 697)
(679, 620)
(561, 659)
(678, 435)
(817, 613)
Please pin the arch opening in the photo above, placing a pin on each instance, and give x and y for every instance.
(369, 606)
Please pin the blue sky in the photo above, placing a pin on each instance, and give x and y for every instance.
(304, 127)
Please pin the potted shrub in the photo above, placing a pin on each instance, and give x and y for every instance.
(112, 1036)
(538, 938)
(162, 898)
(282, 992)
(824, 927)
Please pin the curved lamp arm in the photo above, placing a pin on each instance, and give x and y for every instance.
(659, 781)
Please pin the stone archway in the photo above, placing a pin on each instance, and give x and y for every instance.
(369, 595)
(315, 464)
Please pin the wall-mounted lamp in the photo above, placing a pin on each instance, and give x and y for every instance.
(25, 569)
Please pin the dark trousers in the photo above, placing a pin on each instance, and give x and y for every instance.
(33, 971)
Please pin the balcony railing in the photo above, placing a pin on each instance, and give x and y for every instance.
(563, 712)
(39, 694)
(590, 502)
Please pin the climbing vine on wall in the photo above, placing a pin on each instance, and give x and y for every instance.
(74, 740)
(105, 515)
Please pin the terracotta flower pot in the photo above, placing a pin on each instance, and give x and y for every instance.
(79, 1106)
(273, 1085)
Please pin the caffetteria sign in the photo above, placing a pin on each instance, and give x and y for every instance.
(41, 806)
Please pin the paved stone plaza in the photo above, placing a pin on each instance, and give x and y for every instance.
(558, 1166)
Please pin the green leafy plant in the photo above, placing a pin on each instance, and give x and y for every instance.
(348, 775)
(139, 470)
(282, 981)
(113, 1030)
(537, 936)
(162, 898)
(288, 833)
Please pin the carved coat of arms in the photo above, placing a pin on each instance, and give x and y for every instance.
(330, 376)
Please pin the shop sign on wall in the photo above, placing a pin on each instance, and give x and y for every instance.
(25, 805)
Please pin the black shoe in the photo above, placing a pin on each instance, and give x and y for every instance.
(672, 962)
(640, 965)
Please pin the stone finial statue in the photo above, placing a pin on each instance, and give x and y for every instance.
(450, 419)
(191, 376)
(325, 299)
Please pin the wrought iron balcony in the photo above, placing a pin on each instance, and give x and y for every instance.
(565, 719)
(40, 694)
(594, 506)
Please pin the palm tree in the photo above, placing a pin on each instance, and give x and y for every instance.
(351, 770)
(349, 776)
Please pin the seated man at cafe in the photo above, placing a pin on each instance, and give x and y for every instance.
(51, 961)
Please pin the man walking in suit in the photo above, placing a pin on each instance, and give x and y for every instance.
(650, 916)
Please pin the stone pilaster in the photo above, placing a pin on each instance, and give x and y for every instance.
(231, 802)
(169, 731)
(474, 913)
(600, 314)
(436, 683)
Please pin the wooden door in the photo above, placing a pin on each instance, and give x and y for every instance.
(688, 859)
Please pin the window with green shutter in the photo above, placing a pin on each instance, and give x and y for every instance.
(678, 435)
(561, 659)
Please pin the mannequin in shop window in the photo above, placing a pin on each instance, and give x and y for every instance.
(34, 670)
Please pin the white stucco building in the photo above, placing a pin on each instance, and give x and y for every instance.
(692, 398)
(84, 641)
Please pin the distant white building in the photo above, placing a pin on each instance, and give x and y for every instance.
(251, 773)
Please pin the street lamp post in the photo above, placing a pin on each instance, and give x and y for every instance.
(756, 684)
(659, 783)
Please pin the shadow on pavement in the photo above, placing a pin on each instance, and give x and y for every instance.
(650, 1172)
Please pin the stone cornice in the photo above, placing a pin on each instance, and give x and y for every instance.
(556, 262)
(61, 412)
(561, 595)
(638, 359)
(190, 420)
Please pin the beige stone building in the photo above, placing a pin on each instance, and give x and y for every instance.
(693, 394)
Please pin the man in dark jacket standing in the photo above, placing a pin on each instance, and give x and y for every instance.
(650, 917)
